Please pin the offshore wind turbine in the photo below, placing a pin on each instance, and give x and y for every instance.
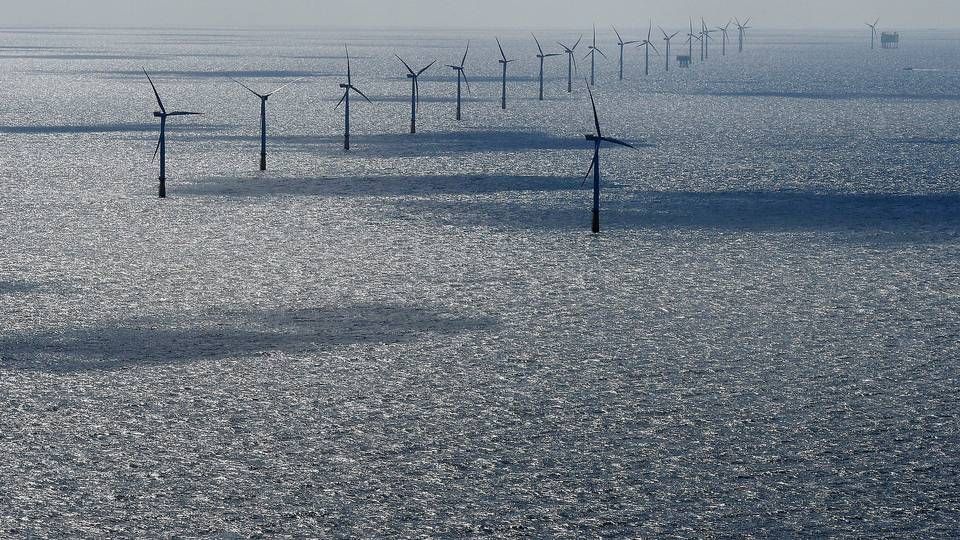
(414, 77)
(621, 43)
(461, 78)
(571, 62)
(263, 117)
(542, 57)
(345, 100)
(742, 30)
(706, 38)
(597, 140)
(873, 33)
(723, 30)
(162, 114)
(503, 92)
(690, 37)
(593, 55)
(667, 39)
(646, 44)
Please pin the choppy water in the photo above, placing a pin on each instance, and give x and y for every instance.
(419, 338)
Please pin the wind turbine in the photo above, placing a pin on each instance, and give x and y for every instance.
(263, 117)
(873, 33)
(706, 38)
(646, 44)
(414, 77)
(162, 114)
(541, 56)
(597, 139)
(723, 30)
(503, 60)
(593, 55)
(345, 100)
(621, 43)
(461, 76)
(571, 62)
(690, 37)
(742, 30)
(667, 39)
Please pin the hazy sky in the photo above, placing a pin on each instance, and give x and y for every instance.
(477, 13)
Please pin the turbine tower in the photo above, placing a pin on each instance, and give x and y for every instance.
(461, 78)
(597, 140)
(503, 93)
(646, 44)
(742, 30)
(414, 77)
(593, 55)
(345, 100)
(571, 62)
(873, 33)
(622, 43)
(162, 114)
(263, 117)
(667, 39)
(542, 56)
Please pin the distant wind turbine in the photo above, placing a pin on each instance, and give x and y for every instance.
(162, 114)
(345, 100)
(667, 39)
(621, 43)
(873, 33)
(542, 57)
(690, 37)
(503, 92)
(414, 77)
(597, 139)
(706, 38)
(461, 78)
(742, 30)
(723, 30)
(571, 62)
(593, 55)
(646, 44)
(263, 117)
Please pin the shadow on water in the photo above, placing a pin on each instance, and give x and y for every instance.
(198, 74)
(136, 343)
(387, 186)
(833, 96)
(928, 216)
(17, 287)
(427, 143)
(104, 128)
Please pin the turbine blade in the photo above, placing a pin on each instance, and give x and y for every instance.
(155, 93)
(467, 81)
(599, 51)
(337, 106)
(349, 79)
(157, 150)
(286, 85)
(619, 39)
(357, 90)
(405, 64)
(618, 141)
(593, 160)
(596, 117)
(247, 87)
(464, 61)
(539, 48)
(578, 42)
(502, 54)
(430, 65)
(184, 113)
(655, 48)
(663, 31)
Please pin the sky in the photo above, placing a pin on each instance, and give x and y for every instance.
(477, 13)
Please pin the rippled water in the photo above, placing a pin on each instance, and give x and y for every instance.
(420, 337)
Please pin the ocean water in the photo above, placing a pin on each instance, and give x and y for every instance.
(420, 337)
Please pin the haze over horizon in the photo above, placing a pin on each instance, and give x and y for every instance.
(479, 14)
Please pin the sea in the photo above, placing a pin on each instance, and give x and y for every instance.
(421, 337)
